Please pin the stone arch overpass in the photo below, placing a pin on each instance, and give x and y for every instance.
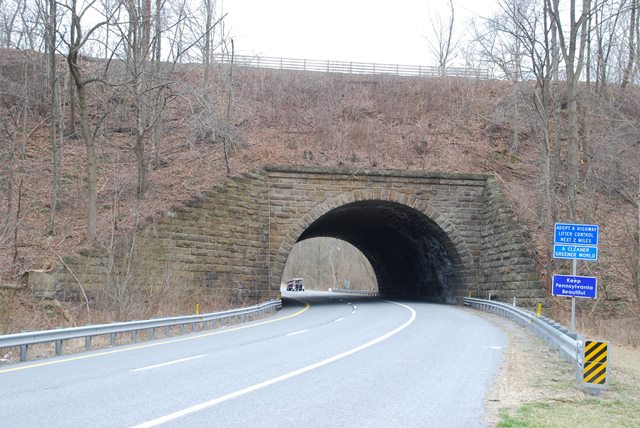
(431, 236)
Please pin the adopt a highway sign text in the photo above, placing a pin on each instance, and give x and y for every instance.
(578, 252)
(578, 234)
(575, 286)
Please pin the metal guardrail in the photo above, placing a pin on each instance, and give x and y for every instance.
(355, 292)
(350, 67)
(555, 335)
(24, 340)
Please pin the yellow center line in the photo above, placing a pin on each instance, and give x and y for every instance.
(150, 345)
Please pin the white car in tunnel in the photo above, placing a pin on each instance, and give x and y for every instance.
(295, 284)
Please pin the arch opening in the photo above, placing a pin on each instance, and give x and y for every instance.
(411, 255)
(328, 263)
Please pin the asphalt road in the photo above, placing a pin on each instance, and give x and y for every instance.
(324, 360)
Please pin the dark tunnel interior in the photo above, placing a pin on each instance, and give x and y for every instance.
(411, 255)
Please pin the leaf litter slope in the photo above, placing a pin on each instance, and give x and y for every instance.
(293, 118)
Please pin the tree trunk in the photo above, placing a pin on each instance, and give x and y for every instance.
(515, 135)
(637, 270)
(87, 136)
(573, 170)
(158, 34)
(71, 127)
(142, 166)
(227, 139)
(207, 41)
(555, 85)
(54, 112)
(626, 74)
(92, 166)
(146, 29)
(573, 53)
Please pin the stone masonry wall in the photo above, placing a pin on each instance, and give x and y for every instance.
(216, 244)
(299, 196)
(233, 242)
(507, 269)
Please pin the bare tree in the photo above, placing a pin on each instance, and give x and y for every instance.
(604, 24)
(139, 72)
(150, 83)
(500, 42)
(632, 41)
(573, 43)
(444, 42)
(9, 11)
(637, 244)
(74, 47)
(52, 28)
(209, 7)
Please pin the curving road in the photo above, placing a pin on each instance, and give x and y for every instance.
(324, 360)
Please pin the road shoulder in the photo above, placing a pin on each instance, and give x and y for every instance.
(536, 387)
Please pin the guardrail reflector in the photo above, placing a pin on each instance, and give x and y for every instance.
(594, 372)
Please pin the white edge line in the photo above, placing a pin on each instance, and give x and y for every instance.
(286, 376)
(168, 363)
(338, 320)
(297, 332)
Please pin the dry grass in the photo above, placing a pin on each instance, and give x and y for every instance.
(614, 320)
(536, 388)
(47, 350)
(305, 118)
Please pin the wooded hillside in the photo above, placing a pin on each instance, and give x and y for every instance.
(97, 137)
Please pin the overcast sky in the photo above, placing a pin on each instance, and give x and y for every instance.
(382, 31)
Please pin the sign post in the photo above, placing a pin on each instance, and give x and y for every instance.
(575, 242)
(580, 242)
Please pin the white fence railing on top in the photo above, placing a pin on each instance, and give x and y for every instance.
(349, 67)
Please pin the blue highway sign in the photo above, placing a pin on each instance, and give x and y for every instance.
(578, 252)
(575, 286)
(579, 234)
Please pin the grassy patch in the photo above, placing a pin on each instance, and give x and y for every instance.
(589, 412)
(536, 388)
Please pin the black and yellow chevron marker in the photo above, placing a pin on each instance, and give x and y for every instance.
(595, 362)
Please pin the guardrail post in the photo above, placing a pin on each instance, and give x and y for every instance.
(579, 354)
(24, 349)
(22, 341)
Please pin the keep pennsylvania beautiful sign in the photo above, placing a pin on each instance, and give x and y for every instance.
(575, 286)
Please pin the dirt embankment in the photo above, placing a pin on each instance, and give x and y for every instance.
(300, 118)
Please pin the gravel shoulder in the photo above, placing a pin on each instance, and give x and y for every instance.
(536, 388)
